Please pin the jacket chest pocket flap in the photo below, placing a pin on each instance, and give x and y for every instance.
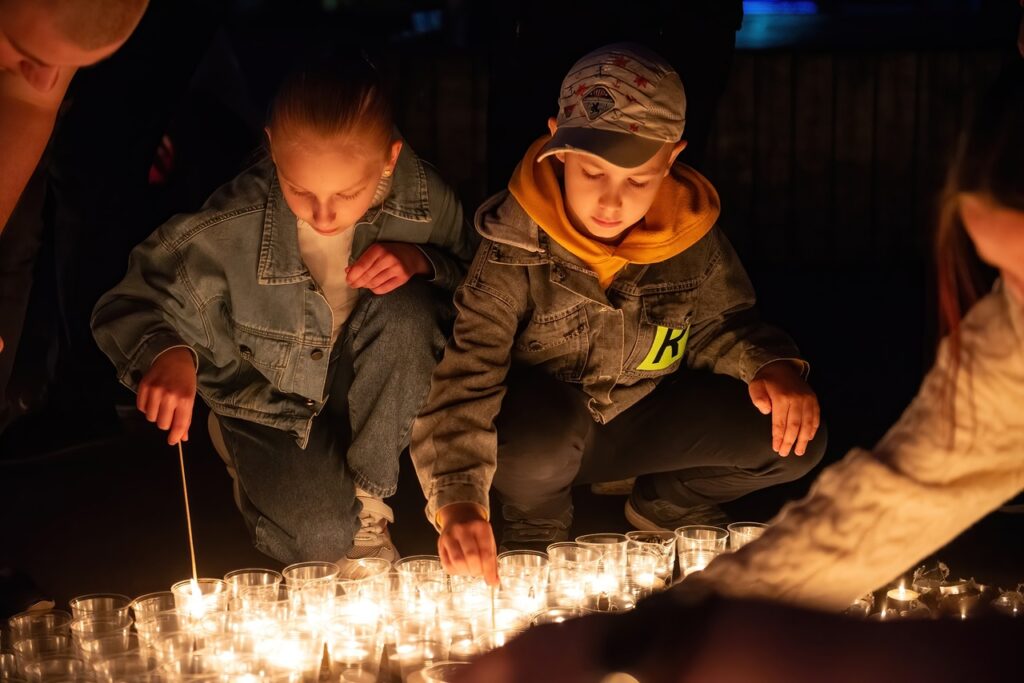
(264, 352)
(559, 342)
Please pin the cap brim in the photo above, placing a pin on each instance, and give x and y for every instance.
(622, 149)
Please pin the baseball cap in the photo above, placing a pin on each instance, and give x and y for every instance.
(621, 102)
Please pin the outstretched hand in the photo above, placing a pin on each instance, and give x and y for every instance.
(466, 544)
(779, 390)
(386, 266)
(167, 393)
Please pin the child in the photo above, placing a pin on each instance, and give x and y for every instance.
(305, 302)
(605, 286)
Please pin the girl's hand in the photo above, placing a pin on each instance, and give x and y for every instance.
(466, 544)
(167, 393)
(386, 266)
(778, 389)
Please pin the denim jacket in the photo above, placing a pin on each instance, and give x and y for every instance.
(528, 300)
(229, 282)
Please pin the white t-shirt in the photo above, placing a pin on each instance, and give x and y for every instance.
(327, 256)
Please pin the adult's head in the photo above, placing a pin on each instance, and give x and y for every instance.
(331, 135)
(983, 201)
(38, 38)
(621, 113)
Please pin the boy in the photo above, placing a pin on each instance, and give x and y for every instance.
(607, 305)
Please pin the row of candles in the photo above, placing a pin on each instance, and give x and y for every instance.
(407, 622)
(933, 594)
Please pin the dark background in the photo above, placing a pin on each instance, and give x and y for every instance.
(827, 132)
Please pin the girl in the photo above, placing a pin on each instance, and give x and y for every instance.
(305, 304)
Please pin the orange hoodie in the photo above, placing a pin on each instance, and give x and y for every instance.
(684, 210)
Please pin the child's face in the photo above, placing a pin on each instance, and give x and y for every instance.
(998, 235)
(604, 200)
(329, 182)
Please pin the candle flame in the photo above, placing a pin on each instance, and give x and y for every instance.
(196, 603)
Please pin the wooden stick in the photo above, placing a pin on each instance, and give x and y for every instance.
(188, 514)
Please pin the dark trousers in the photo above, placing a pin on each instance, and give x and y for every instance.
(696, 439)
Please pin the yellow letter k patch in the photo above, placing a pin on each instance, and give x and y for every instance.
(668, 347)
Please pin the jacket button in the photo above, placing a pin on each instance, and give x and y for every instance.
(245, 350)
(310, 403)
(316, 354)
(535, 345)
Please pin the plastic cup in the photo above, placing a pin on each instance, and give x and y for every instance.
(100, 604)
(742, 533)
(51, 623)
(152, 603)
(701, 537)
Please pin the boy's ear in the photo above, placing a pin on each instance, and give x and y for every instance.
(676, 149)
(552, 124)
(270, 141)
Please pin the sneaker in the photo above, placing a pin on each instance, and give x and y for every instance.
(531, 534)
(622, 487)
(662, 515)
(372, 539)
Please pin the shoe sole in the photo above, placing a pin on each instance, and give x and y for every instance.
(640, 522)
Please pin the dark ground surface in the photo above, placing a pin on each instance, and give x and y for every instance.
(107, 515)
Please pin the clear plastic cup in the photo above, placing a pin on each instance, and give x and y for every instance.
(443, 672)
(742, 533)
(693, 561)
(100, 604)
(153, 603)
(701, 537)
(50, 623)
(57, 667)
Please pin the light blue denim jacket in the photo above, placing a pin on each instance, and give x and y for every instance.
(229, 282)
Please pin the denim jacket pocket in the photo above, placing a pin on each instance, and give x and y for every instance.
(558, 343)
(264, 352)
(662, 334)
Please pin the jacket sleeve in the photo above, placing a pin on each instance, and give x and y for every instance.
(727, 335)
(454, 443)
(874, 514)
(151, 310)
(452, 239)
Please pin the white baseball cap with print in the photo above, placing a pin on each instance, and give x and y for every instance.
(621, 102)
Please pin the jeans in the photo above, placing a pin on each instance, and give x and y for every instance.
(300, 504)
(696, 439)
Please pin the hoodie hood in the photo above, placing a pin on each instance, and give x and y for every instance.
(684, 210)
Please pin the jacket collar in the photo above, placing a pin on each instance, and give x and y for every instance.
(280, 259)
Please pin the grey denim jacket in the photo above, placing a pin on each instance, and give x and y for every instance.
(230, 283)
(528, 300)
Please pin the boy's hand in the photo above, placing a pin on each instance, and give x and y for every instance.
(466, 545)
(778, 389)
(168, 391)
(386, 266)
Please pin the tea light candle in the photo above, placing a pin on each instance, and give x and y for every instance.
(901, 599)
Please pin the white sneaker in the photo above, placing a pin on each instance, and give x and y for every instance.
(372, 539)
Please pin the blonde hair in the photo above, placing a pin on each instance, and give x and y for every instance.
(93, 24)
(334, 98)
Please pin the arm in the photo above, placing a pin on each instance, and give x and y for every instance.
(153, 309)
(871, 516)
(454, 443)
(26, 122)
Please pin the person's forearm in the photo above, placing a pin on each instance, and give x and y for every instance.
(24, 132)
